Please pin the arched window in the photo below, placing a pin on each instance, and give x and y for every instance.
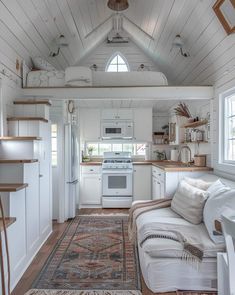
(117, 63)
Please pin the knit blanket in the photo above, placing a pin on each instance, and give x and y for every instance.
(185, 235)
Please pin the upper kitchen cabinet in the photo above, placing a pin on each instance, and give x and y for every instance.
(117, 114)
(143, 125)
(90, 124)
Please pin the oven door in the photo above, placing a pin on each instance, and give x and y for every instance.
(117, 183)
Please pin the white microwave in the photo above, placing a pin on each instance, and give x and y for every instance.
(116, 129)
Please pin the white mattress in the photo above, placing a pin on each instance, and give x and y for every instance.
(43, 78)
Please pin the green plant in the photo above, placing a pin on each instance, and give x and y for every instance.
(90, 149)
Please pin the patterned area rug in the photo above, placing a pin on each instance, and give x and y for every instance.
(94, 253)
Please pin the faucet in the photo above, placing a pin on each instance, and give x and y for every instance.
(190, 153)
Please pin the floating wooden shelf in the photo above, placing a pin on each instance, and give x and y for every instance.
(16, 161)
(8, 221)
(12, 187)
(27, 119)
(196, 141)
(31, 101)
(195, 124)
(20, 138)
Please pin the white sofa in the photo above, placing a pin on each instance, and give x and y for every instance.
(160, 259)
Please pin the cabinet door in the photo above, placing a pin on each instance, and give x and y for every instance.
(143, 125)
(90, 124)
(156, 189)
(90, 189)
(109, 114)
(125, 114)
(142, 182)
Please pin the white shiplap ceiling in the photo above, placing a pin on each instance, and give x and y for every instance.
(30, 27)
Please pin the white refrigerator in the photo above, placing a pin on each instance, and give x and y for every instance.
(71, 170)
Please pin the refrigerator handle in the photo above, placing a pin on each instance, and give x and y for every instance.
(72, 182)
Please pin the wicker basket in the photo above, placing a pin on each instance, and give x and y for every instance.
(200, 160)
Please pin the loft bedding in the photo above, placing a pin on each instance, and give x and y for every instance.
(85, 77)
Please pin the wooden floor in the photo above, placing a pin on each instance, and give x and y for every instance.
(31, 273)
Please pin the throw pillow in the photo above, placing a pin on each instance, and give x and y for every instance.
(221, 198)
(189, 202)
(197, 182)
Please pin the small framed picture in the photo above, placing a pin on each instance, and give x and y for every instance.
(225, 11)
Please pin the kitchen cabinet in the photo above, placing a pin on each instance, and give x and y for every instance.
(90, 186)
(143, 125)
(142, 182)
(164, 184)
(90, 124)
(117, 114)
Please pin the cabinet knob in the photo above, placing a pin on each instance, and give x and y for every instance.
(40, 175)
(91, 169)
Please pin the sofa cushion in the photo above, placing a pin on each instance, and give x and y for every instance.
(221, 198)
(189, 202)
(197, 182)
(169, 248)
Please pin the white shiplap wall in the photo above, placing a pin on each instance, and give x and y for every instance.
(134, 55)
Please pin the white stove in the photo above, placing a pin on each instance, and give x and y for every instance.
(117, 180)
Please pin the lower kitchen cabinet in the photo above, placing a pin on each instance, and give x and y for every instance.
(142, 182)
(90, 186)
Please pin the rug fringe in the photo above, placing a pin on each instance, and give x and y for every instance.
(82, 292)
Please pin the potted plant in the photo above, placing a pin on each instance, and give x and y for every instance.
(90, 150)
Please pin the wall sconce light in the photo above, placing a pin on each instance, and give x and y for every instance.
(178, 42)
(61, 42)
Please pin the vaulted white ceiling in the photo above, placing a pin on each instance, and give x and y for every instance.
(32, 26)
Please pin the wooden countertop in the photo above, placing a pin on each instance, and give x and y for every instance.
(166, 165)
(16, 161)
(180, 167)
(8, 221)
(12, 187)
(27, 119)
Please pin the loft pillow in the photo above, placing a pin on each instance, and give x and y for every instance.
(189, 202)
(42, 64)
(221, 198)
(197, 182)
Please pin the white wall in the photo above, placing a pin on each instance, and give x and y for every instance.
(134, 55)
(226, 82)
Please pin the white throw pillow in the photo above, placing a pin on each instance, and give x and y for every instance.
(42, 64)
(221, 198)
(189, 202)
(197, 182)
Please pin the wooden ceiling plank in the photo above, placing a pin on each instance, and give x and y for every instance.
(21, 21)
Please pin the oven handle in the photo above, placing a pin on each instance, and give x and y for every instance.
(118, 172)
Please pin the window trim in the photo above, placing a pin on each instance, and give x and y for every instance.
(222, 137)
(111, 142)
(112, 57)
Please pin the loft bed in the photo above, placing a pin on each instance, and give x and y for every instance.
(83, 83)
(85, 77)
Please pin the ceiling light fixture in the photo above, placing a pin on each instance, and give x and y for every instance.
(61, 42)
(178, 42)
(118, 5)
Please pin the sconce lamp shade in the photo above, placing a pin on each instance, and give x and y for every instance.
(118, 5)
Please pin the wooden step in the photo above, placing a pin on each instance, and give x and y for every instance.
(12, 187)
(33, 101)
(8, 221)
(20, 138)
(27, 119)
(16, 161)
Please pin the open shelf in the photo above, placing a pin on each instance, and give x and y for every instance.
(195, 124)
(27, 119)
(8, 221)
(20, 138)
(196, 141)
(17, 161)
(12, 187)
(32, 101)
